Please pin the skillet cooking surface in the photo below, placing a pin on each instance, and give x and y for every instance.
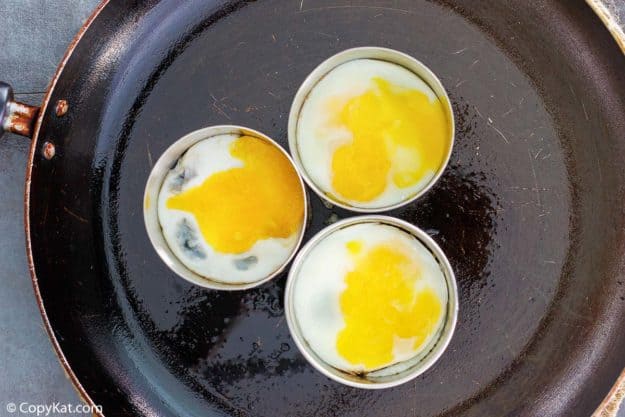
(529, 211)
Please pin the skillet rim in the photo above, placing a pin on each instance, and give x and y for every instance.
(67, 368)
(607, 408)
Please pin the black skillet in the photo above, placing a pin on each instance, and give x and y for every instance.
(530, 211)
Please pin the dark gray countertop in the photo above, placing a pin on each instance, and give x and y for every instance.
(35, 34)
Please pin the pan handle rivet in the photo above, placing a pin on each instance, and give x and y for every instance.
(61, 108)
(48, 150)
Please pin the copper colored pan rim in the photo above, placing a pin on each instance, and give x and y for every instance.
(29, 167)
(608, 407)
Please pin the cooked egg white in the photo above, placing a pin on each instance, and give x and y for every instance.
(232, 208)
(370, 298)
(372, 134)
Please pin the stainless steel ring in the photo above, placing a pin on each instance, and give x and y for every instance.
(150, 207)
(368, 52)
(379, 382)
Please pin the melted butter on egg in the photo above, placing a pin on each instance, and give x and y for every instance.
(382, 306)
(398, 134)
(238, 207)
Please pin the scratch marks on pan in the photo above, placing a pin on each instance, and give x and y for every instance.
(514, 188)
(460, 83)
(327, 35)
(499, 132)
(478, 112)
(537, 191)
(585, 112)
(218, 108)
(474, 63)
(392, 9)
(594, 140)
(74, 215)
(490, 124)
(458, 52)
(301, 5)
(580, 102)
(508, 112)
(508, 346)
(540, 293)
(150, 161)
(599, 174)
(573, 92)
(220, 111)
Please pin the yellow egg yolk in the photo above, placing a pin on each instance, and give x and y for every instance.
(237, 207)
(380, 305)
(397, 134)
